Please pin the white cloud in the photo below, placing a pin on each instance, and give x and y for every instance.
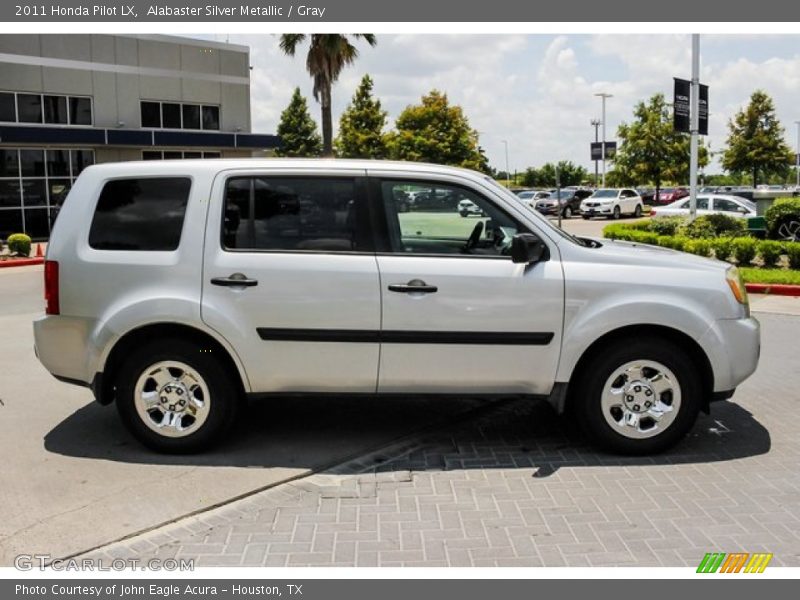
(537, 92)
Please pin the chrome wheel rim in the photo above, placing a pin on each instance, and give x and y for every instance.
(641, 399)
(172, 399)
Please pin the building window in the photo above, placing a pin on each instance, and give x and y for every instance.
(174, 154)
(50, 109)
(33, 185)
(175, 115)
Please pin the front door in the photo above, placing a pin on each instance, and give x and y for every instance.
(458, 314)
(290, 279)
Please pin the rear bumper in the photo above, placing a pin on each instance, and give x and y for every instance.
(62, 345)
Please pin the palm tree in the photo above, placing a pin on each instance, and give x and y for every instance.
(327, 56)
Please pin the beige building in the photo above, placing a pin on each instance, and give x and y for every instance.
(67, 101)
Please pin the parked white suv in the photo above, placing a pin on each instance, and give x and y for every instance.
(612, 203)
(175, 289)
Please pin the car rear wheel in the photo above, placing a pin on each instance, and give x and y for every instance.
(174, 398)
(463, 213)
(567, 212)
(637, 212)
(637, 397)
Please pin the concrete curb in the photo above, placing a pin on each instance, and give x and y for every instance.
(22, 262)
(776, 289)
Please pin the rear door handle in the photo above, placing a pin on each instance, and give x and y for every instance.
(235, 280)
(415, 286)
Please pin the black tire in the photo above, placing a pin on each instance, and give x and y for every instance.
(585, 398)
(225, 397)
(585, 217)
(567, 214)
(463, 213)
(617, 213)
(637, 212)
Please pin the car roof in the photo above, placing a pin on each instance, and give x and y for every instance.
(213, 165)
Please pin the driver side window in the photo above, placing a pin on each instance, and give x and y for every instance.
(437, 218)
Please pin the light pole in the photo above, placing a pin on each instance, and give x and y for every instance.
(797, 159)
(603, 97)
(694, 111)
(596, 124)
(508, 173)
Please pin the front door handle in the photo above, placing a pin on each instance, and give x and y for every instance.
(235, 280)
(415, 286)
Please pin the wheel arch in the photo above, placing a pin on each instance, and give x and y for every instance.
(698, 355)
(103, 384)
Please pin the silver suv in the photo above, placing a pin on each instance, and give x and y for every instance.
(177, 289)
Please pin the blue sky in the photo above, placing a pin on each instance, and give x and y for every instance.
(537, 91)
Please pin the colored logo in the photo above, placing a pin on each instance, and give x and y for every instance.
(738, 562)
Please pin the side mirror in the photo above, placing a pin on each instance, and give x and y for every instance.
(527, 249)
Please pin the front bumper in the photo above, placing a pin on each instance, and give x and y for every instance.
(547, 210)
(733, 347)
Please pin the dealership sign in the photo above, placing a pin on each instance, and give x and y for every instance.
(681, 107)
(597, 150)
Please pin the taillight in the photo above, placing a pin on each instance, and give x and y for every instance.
(652, 212)
(51, 306)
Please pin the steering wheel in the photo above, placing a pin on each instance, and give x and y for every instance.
(474, 237)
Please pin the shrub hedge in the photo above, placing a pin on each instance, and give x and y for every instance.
(19, 243)
(783, 210)
(743, 249)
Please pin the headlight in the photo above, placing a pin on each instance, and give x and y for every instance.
(734, 279)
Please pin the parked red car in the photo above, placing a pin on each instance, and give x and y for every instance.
(670, 194)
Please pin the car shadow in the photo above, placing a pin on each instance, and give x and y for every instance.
(440, 434)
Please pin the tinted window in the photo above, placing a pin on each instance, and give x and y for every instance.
(211, 117)
(140, 214)
(10, 194)
(55, 109)
(151, 155)
(34, 192)
(151, 114)
(32, 162)
(191, 116)
(30, 108)
(37, 223)
(8, 112)
(9, 165)
(80, 160)
(171, 115)
(58, 163)
(80, 111)
(280, 213)
(433, 218)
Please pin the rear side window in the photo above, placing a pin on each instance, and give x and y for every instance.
(140, 214)
(289, 213)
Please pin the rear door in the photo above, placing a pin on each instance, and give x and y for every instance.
(290, 279)
(458, 315)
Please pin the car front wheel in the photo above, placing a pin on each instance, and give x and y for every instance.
(637, 212)
(567, 212)
(174, 397)
(637, 397)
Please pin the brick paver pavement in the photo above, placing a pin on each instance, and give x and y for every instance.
(516, 486)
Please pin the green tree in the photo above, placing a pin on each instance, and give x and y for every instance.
(568, 174)
(755, 141)
(434, 131)
(650, 150)
(297, 130)
(328, 55)
(361, 125)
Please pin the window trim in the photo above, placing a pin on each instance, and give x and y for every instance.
(360, 195)
(380, 222)
(96, 200)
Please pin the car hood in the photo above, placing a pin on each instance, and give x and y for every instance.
(634, 254)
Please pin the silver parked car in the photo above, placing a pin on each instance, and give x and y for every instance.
(175, 289)
(732, 206)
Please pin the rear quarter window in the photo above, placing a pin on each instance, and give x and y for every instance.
(143, 214)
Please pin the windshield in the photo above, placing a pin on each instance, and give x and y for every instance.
(605, 194)
(748, 203)
(535, 215)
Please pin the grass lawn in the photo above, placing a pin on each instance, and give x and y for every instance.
(756, 275)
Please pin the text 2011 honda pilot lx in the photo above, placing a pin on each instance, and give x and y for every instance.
(175, 289)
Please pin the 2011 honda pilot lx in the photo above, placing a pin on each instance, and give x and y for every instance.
(176, 289)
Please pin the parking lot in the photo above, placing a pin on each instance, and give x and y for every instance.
(400, 482)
